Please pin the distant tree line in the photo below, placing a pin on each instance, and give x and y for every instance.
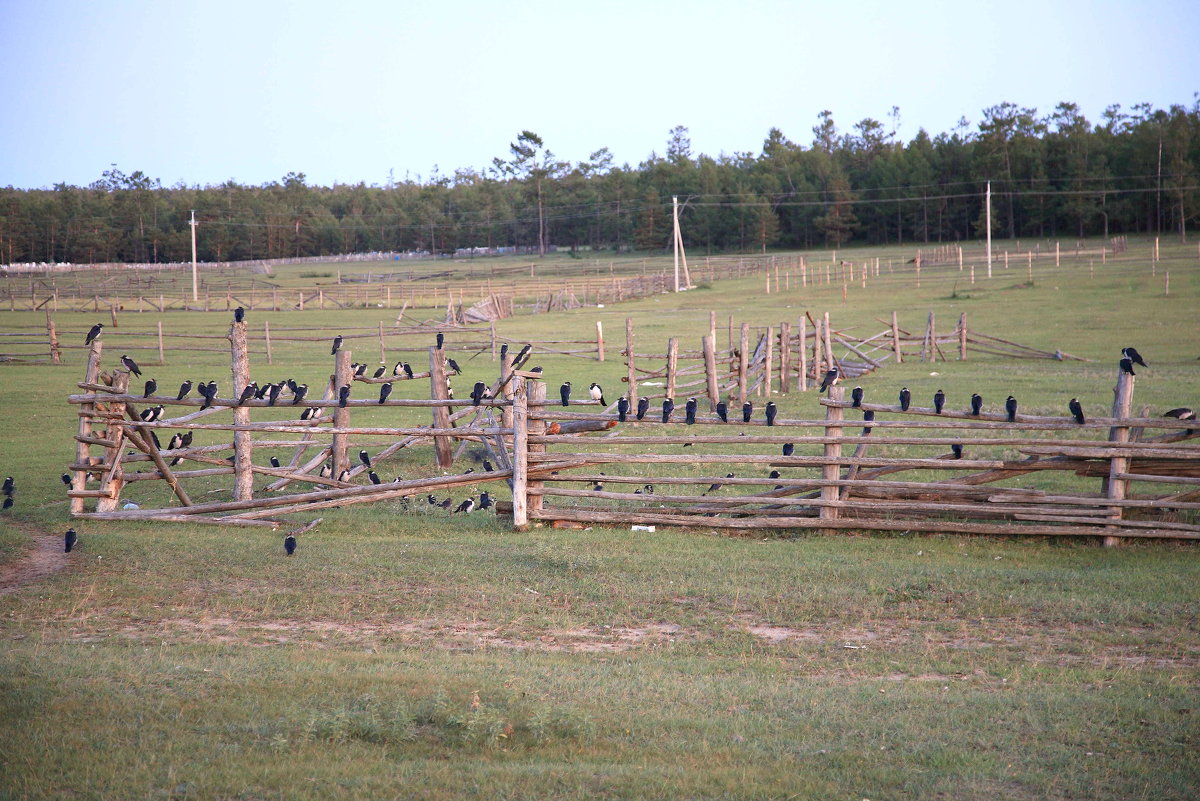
(1057, 175)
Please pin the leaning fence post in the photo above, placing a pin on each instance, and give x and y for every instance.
(1116, 486)
(769, 363)
(442, 447)
(243, 481)
(520, 460)
(267, 339)
(343, 376)
(831, 470)
(896, 339)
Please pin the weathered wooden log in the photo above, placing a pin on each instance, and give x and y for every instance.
(175, 518)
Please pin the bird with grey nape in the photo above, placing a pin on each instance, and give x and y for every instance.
(747, 411)
(642, 407)
(1010, 407)
(289, 544)
(95, 331)
(564, 393)
(856, 397)
(1133, 356)
(771, 411)
(976, 403)
(622, 408)
(668, 406)
(131, 365)
(690, 412)
(69, 540)
(832, 375)
(1076, 410)
(597, 393)
(939, 401)
(905, 399)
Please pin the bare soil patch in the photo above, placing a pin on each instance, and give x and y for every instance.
(44, 558)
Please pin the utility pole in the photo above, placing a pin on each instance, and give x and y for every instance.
(988, 212)
(195, 283)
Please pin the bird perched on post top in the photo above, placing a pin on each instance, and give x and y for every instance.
(723, 411)
(643, 407)
(976, 403)
(770, 411)
(622, 408)
(747, 411)
(1010, 406)
(239, 315)
(939, 401)
(831, 377)
(95, 331)
(905, 399)
(1133, 356)
(1076, 410)
(441, 340)
(690, 411)
(856, 397)
(337, 344)
(667, 407)
(564, 392)
(597, 393)
(1127, 366)
(131, 365)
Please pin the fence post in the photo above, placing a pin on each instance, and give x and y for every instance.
(267, 339)
(962, 337)
(243, 481)
(507, 390)
(382, 353)
(802, 368)
(672, 365)
(83, 451)
(831, 470)
(343, 376)
(536, 390)
(629, 363)
(785, 355)
(896, 340)
(442, 446)
(743, 363)
(769, 364)
(162, 354)
(829, 357)
(1114, 487)
(520, 460)
(112, 480)
(600, 340)
(55, 354)
(710, 371)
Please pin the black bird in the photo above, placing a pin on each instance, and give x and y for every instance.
(789, 448)
(453, 365)
(429, 499)
(771, 411)
(976, 404)
(939, 400)
(150, 415)
(487, 466)
(239, 315)
(466, 506)
(868, 417)
(209, 391)
(622, 408)
(69, 540)
(379, 372)
(485, 501)
(151, 388)
(691, 411)
(10, 484)
(275, 462)
(343, 396)
(643, 407)
(905, 399)
(747, 411)
(262, 391)
(831, 377)
(289, 544)
(131, 365)
(310, 413)
(186, 440)
(273, 394)
(1076, 411)
(723, 411)
(66, 479)
(184, 389)
(649, 489)
(1127, 366)
(957, 449)
(374, 478)
(441, 340)
(344, 476)
(384, 391)
(774, 474)
(248, 393)
(1010, 406)
(291, 385)
(597, 393)
(362, 370)
(564, 392)
(446, 504)
(1133, 356)
(8, 502)
(667, 408)
(856, 396)
(477, 393)
(298, 393)
(96, 331)
(521, 354)
(365, 458)
(503, 350)
(154, 437)
(1182, 413)
(407, 368)
(337, 344)
(598, 488)
(176, 441)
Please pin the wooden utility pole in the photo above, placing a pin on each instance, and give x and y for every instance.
(195, 280)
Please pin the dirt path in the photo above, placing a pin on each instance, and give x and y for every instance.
(45, 558)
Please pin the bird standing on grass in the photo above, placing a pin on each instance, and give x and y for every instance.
(976, 403)
(485, 501)
(564, 392)
(831, 377)
(95, 331)
(1133, 356)
(10, 485)
(690, 411)
(1010, 406)
(643, 407)
(939, 401)
(856, 397)
(151, 388)
(771, 411)
(1076, 410)
(622, 408)
(289, 544)
(747, 411)
(69, 540)
(466, 507)
(597, 393)
(66, 479)
(131, 365)
(905, 399)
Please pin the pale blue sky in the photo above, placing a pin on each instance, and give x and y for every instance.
(202, 92)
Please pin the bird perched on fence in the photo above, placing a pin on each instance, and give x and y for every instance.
(289, 544)
(441, 340)
(311, 412)
(905, 399)
(1182, 413)
(856, 397)
(343, 395)
(365, 458)
(298, 393)
(69, 540)
(868, 417)
(771, 410)
(273, 394)
(690, 411)
(831, 377)
(344, 476)
(939, 401)
(66, 478)
(131, 365)
(485, 501)
(374, 478)
(186, 440)
(337, 344)
(596, 392)
(564, 392)
(1076, 410)
(667, 407)
(747, 411)
(152, 414)
(209, 391)
(95, 331)
(151, 388)
(622, 408)
(184, 389)
(1127, 366)
(487, 467)
(239, 315)
(723, 411)
(477, 393)
(379, 371)
(398, 369)
(1133, 356)
(956, 449)
(248, 393)
(1010, 406)
(466, 507)
(384, 391)
(976, 403)
(643, 407)
(361, 370)
(407, 368)
(453, 365)
(275, 462)
(262, 391)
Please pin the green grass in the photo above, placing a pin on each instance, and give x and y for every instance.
(189, 662)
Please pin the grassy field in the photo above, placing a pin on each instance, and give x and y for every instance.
(407, 654)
